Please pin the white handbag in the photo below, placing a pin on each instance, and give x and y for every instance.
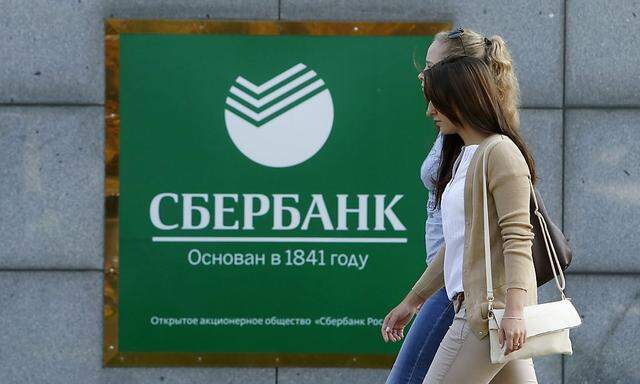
(547, 324)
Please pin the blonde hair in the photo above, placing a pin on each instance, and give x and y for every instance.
(496, 55)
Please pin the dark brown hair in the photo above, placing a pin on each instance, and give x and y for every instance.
(463, 89)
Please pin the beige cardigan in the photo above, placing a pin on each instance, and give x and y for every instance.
(510, 233)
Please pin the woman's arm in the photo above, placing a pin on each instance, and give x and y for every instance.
(431, 280)
(508, 175)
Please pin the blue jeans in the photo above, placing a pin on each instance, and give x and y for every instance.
(423, 339)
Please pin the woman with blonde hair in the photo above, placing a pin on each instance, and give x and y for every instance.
(435, 316)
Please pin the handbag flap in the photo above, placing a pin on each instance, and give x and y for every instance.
(544, 318)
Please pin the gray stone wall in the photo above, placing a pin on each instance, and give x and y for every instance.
(577, 65)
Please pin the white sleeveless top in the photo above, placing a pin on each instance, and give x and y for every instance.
(453, 224)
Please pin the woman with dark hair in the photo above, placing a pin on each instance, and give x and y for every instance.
(435, 315)
(464, 102)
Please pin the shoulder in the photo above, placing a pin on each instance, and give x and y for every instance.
(437, 146)
(505, 155)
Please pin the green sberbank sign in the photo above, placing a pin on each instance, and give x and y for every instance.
(263, 190)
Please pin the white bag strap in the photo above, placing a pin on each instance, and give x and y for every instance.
(553, 257)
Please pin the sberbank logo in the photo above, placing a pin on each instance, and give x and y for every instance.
(282, 122)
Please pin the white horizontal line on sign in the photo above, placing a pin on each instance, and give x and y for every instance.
(281, 77)
(277, 106)
(205, 239)
(259, 103)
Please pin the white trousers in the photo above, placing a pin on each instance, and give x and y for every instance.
(463, 358)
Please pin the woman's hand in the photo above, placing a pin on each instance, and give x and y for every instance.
(513, 332)
(394, 323)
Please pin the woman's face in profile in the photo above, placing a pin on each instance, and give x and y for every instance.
(435, 53)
